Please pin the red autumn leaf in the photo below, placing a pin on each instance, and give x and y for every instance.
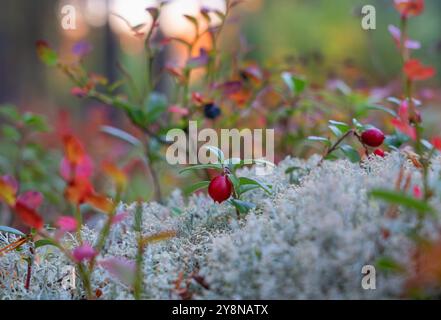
(436, 142)
(405, 128)
(198, 98)
(100, 202)
(82, 170)
(31, 199)
(402, 122)
(416, 71)
(28, 216)
(409, 7)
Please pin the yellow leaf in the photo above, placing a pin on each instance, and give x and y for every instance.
(7, 193)
(161, 236)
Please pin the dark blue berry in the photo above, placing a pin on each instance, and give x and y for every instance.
(212, 111)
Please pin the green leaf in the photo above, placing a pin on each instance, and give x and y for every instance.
(12, 231)
(235, 163)
(201, 167)
(138, 117)
(358, 125)
(336, 131)
(402, 199)
(35, 122)
(176, 211)
(242, 206)
(234, 181)
(11, 133)
(246, 188)
(295, 84)
(197, 186)
(45, 242)
(343, 127)
(10, 112)
(263, 186)
(382, 108)
(137, 223)
(320, 139)
(351, 153)
(122, 135)
(218, 152)
(231, 162)
(46, 54)
(396, 140)
(156, 106)
(292, 169)
(388, 264)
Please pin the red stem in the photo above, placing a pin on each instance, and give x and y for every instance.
(29, 271)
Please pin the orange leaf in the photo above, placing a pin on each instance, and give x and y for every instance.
(100, 203)
(77, 191)
(409, 7)
(13, 246)
(426, 267)
(74, 149)
(118, 175)
(28, 216)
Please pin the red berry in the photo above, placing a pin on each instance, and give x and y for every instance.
(379, 152)
(372, 137)
(220, 189)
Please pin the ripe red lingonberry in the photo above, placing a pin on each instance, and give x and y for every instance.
(220, 188)
(379, 152)
(372, 137)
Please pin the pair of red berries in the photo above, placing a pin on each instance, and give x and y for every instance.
(220, 188)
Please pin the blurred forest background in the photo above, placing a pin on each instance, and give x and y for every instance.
(323, 30)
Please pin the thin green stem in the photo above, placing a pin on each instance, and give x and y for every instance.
(79, 218)
(138, 281)
(336, 144)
